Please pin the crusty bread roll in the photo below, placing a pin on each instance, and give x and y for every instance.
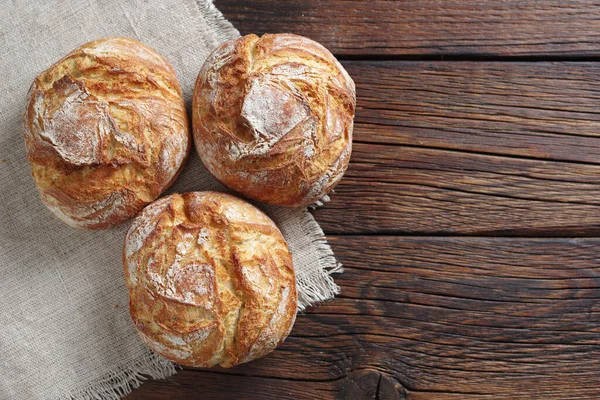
(273, 118)
(210, 280)
(106, 132)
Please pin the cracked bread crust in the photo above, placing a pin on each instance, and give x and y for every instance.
(210, 280)
(106, 132)
(273, 118)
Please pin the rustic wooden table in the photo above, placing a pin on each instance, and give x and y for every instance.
(468, 222)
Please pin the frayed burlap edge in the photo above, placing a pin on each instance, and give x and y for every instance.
(317, 287)
(128, 377)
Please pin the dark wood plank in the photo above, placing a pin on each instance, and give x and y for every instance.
(190, 384)
(434, 318)
(422, 27)
(543, 110)
(395, 189)
(472, 148)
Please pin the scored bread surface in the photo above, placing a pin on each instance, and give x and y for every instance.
(106, 132)
(273, 118)
(210, 279)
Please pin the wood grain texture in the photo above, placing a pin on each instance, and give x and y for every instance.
(433, 318)
(428, 27)
(545, 110)
(472, 148)
(396, 189)
(190, 384)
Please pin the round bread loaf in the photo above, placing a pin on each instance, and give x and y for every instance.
(210, 280)
(106, 132)
(273, 118)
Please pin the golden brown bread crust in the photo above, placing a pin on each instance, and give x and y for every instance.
(106, 132)
(273, 118)
(210, 280)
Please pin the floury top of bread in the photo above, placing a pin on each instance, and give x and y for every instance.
(106, 132)
(273, 118)
(210, 279)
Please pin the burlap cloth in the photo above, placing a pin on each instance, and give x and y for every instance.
(65, 330)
